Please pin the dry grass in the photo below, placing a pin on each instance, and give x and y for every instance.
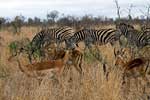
(93, 85)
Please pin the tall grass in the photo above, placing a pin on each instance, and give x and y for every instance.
(93, 85)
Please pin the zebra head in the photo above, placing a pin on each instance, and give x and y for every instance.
(124, 28)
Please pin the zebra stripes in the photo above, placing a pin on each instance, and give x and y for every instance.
(104, 36)
(89, 36)
(146, 30)
(124, 28)
(53, 35)
(135, 37)
(92, 36)
(79, 36)
(58, 35)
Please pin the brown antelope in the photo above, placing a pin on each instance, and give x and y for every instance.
(29, 69)
(131, 67)
(130, 64)
(75, 58)
(50, 64)
(62, 58)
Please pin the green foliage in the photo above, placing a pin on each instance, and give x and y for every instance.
(13, 47)
(93, 55)
(19, 46)
(88, 57)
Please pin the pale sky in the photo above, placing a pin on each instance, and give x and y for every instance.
(39, 8)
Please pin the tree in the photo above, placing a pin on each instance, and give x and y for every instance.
(2, 21)
(147, 15)
(129, 12)
(87, 20)
(52, 15)
(118, 9)
(17, 23)
(30, 21)
(37, 21)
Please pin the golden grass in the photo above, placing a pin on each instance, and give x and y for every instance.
(93, 85)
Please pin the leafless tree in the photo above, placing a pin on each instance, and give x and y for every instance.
(118, 8)
(147, 14)
(129, 11)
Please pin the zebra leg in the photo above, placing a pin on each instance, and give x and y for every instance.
(99, 57)
(106, 73)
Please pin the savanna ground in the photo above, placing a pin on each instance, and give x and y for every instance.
(93, 85)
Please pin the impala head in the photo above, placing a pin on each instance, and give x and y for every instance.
(122, 56)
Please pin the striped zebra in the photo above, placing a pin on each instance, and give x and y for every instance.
(134, 37)
(145, 28)
(92, 36)
(104, 36)
(48, 36)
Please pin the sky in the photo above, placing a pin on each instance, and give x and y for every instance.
(39, 8)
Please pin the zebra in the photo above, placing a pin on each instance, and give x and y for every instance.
(135, 37)
(92, 36)
(44, 38)
(95, 37)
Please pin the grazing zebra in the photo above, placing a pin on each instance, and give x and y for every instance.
(135, 37)
(91, 36)
(45, 37)
(57, 35)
